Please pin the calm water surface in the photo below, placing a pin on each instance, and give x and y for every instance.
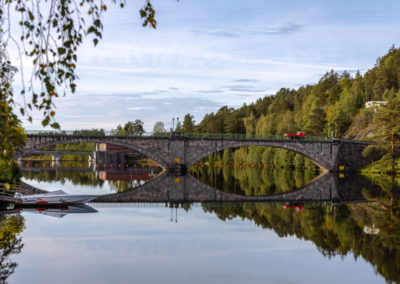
(202, 242)
(142, 245)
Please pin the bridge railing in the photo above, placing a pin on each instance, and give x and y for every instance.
(175, 135)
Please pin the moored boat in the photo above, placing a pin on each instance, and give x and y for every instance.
(60, 211)
(58, 197)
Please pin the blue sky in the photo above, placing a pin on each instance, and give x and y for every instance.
(206, 54)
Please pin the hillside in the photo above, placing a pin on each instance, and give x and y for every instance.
(333, 107)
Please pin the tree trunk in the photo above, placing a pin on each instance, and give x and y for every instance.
(393, 172)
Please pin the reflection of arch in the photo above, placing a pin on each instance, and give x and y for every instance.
(151, 154)
(169, 188)
(165, 188)
(298, 147)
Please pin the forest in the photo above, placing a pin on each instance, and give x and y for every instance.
(328, 108)
(333, 107)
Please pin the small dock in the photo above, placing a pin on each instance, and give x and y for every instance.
(9, 198)
(24, 188)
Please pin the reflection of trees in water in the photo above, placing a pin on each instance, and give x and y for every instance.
(123, 185)
(75, 177)
(254, 181)
(384, 214)
(370, 230)
(10, 243)
(89, 178)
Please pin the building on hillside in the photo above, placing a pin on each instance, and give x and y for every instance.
(370, 104)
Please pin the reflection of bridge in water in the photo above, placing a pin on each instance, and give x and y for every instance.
(168, 188)
(121, 172)
(172, 189)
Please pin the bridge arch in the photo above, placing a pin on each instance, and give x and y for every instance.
(68, 140)
(316, 155)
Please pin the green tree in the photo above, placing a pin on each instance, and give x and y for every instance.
(90, 132)
(129, 128)
(12, 135)
(178, 127)
(234, 123)
(250, 124)
(137, 127)
(315, 121)
(188, 124)
(387, 122)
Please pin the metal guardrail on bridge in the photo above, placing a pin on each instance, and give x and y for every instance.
(174, 135)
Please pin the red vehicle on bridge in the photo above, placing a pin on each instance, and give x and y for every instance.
(298, 135)
(294, 205)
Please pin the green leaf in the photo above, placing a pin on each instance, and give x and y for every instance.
(31, 17)
(46, 121)
(97, 23)
(73, 87)
(61, 50)
(55, 125)
(91, 29)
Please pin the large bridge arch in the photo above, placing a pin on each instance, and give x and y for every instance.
(34, 147)
(318, 152)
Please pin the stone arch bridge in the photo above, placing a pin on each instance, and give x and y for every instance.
(180, 152)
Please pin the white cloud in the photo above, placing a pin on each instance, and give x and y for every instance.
(262, 45)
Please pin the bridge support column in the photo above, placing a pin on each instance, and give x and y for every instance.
(102, 157)
(92, 157)
(347, 156)
(177, 151)
(56, 157)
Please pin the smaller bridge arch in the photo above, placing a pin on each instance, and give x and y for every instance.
(34, 146)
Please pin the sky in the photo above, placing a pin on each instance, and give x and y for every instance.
(205, 54)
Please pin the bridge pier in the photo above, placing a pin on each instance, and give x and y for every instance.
(56, 158)
(103, 157)
(178, 169)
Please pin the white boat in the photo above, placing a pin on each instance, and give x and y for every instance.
(60, 212)
(54, 198)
